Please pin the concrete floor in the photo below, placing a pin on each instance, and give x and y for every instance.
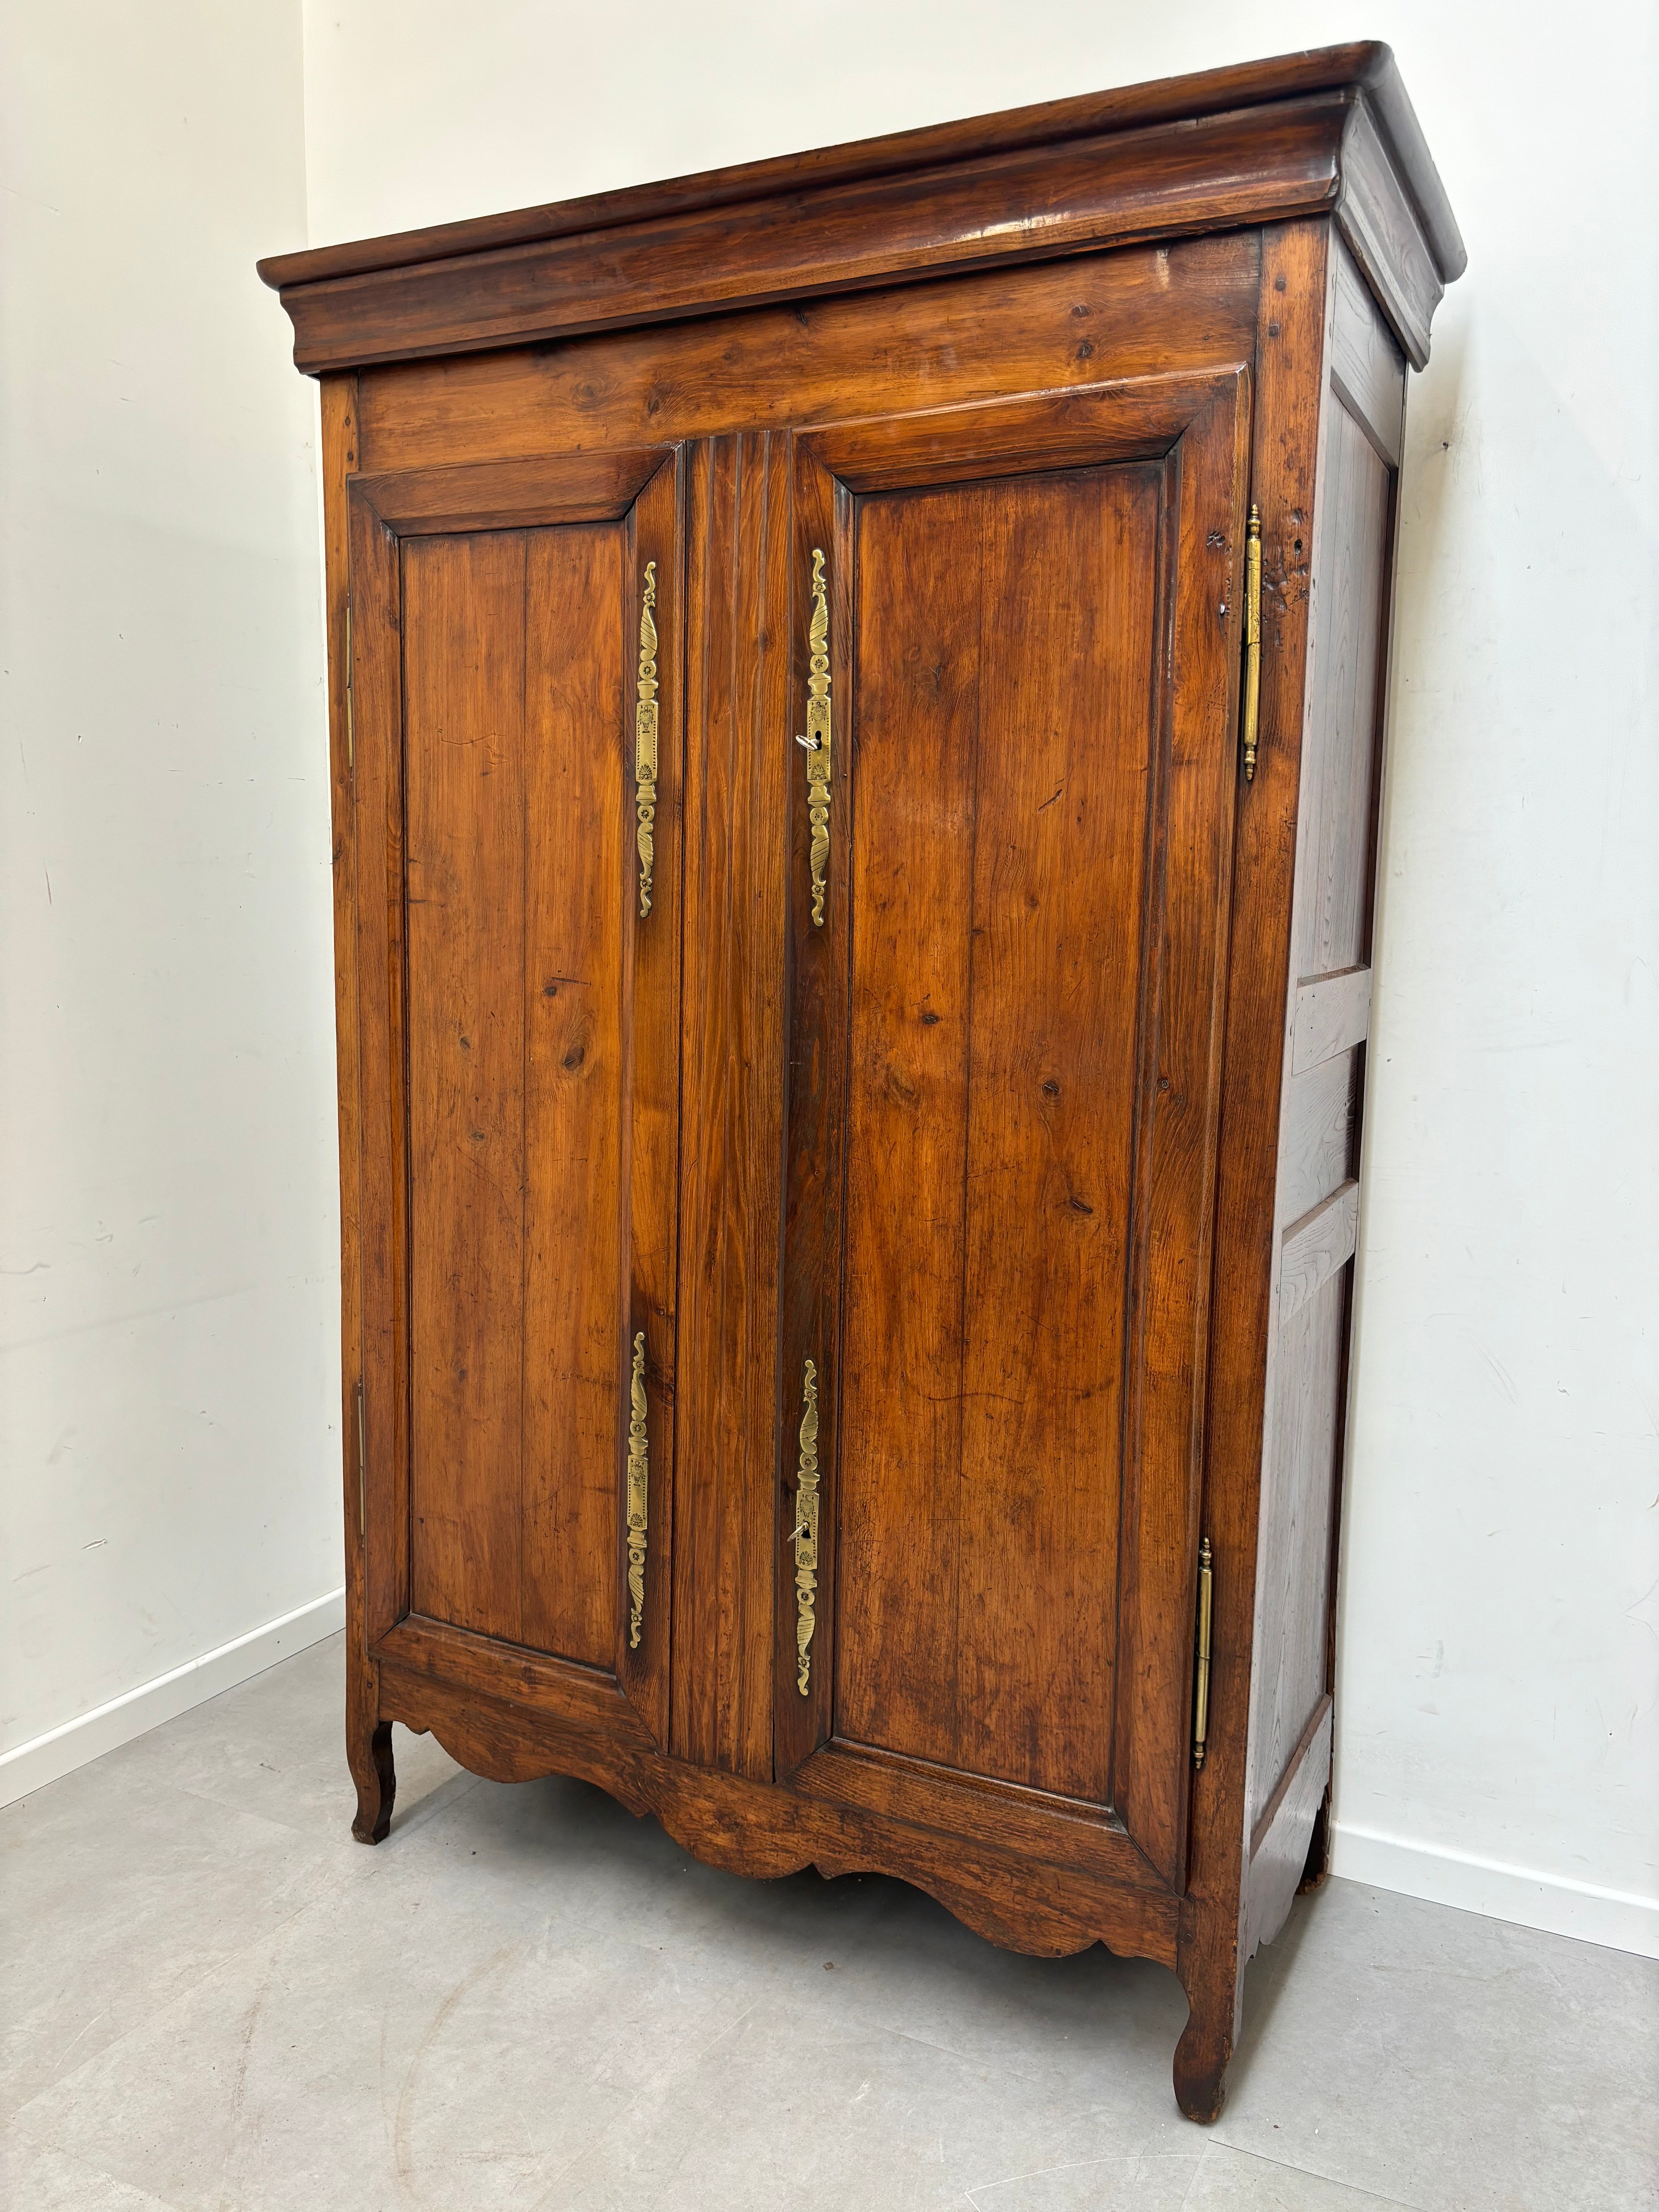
(525, 1998)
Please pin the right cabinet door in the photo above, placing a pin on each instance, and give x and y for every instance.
(1006, 1053)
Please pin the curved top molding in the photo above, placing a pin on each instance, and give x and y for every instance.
(1331, 131)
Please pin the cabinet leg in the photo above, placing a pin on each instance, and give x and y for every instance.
(372, 1770)
(1206, 2046)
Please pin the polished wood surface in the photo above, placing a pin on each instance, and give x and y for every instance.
(1004, 770)
(1044, 1149)
(1262, 143)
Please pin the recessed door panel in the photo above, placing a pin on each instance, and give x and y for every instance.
(1005, 640)
(531, 997)
(1014, 997)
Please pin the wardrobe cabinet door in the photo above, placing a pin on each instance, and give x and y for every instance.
(515, 720)
(1014, 993)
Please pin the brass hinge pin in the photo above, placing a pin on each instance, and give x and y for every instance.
(1252, 638)
(363, 1462)
(1201, 1670)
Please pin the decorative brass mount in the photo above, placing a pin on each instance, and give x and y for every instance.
(639, 1486)
(644, 739)
(817, 740)
(805, 1533)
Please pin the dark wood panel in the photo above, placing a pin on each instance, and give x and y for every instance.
(1055, 1831)
(1188, 306)
(463, 673)
(576, 835)
(738, 749)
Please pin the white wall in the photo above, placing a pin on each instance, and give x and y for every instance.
(1500, 1619)
(169, 1454)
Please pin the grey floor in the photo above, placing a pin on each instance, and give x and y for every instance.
(525, 1998)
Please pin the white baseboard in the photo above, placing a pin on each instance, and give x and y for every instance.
(60, 1750)
(1621, 1919)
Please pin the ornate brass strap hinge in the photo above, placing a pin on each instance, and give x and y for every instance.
(817, 740)
(1252, 638)
(805, 1533)
(1201, 1667)
(639, 1497)
(645, 739)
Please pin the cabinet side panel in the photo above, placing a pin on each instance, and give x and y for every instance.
(1327, 1019)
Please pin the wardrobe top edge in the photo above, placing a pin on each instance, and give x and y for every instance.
(1366, 67)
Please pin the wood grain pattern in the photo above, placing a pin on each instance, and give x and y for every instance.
(1190, 304)
(1331, 1014)
(524, 1079)
(1043, 703)
(738, 748)
(464, 640)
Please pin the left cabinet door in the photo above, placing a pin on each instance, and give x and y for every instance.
(516, 733)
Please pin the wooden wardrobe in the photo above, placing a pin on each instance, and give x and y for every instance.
(857, 692)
